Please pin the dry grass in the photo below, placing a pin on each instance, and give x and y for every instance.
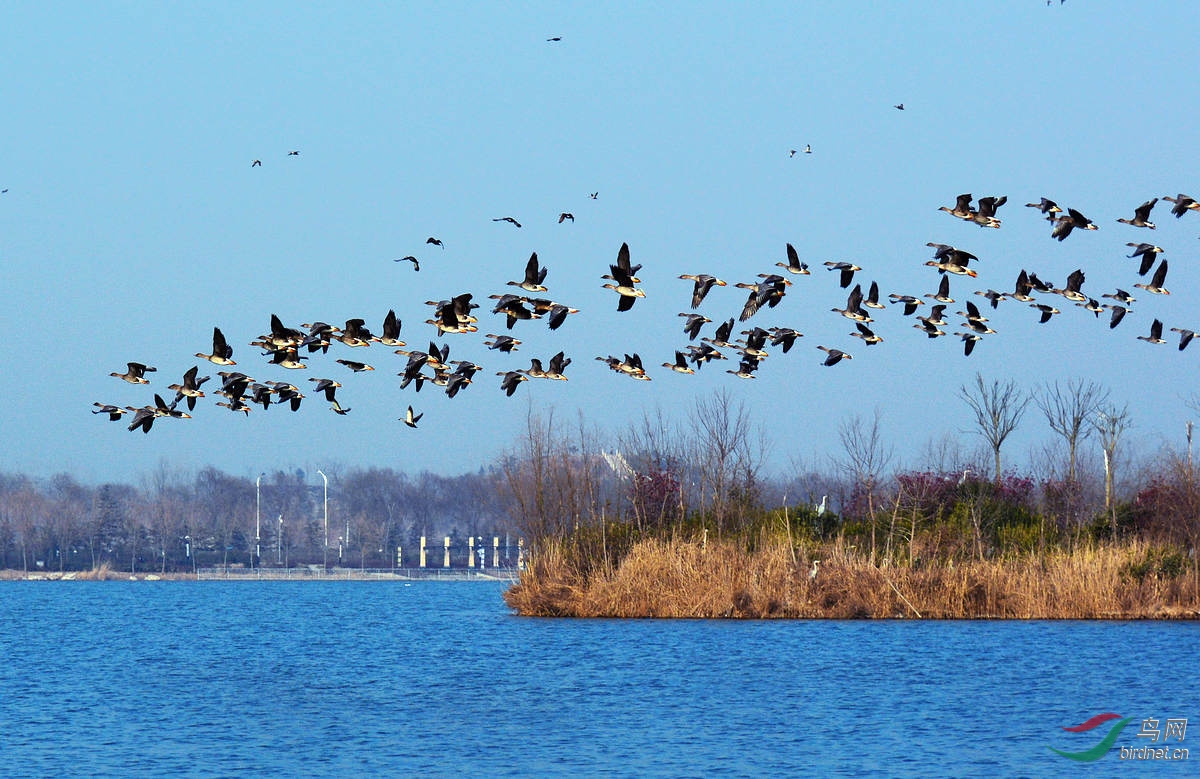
(720, 580)
(101, 573)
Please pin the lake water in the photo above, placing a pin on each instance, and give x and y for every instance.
(439, 678)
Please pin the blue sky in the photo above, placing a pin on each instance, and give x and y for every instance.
(134, 223)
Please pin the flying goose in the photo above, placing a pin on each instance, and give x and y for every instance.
(1046, 206)
(1157, 280)
(793, 264)
(847, 270)
(222, 353)
(693, 323)
(1141, 215)
(1183, 204)
(680, 365)
(866, 334)
(962, 207)
(534, 276)
(134, 373)
(328, 386)
(834, 356)
(1155, 336)
(1185, 336)
(703, 283)
(190, 388)
(1063, 225)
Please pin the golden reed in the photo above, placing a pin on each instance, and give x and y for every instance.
(675, 579)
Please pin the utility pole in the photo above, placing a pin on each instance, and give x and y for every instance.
(326, 478)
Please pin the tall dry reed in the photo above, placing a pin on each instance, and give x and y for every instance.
(722, 580)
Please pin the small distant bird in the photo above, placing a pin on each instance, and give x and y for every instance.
(1047, 311)
(114, 412)
(535, 276)
(412, 259)
(1147, 252)
(834, 356)
(256, 164)
(222, 352)
(693, 324)
(134, 374)
(846, 271)
(867, 334)
(594, 195)
(357, 367)
(812, 574)
(508, 219)
(503, 343)
(1141, 215)
(435, 242)
(679, 366)
(899, 106)
(1183, 204)
(1185, 336)
(1155, 336)
(564, 216)
(703, 283)
(793, 264)
(969, 341)
(808, 148)
(555, 38)
(1046, 206)
(1157, 280)
(1063, 225)
(293, 153)
(512, 380)
(328, 386)
(1118, 313)
(410, 419)
(337, 408)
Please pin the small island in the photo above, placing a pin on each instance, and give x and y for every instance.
(690, 529)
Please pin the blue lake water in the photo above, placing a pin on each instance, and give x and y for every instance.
(439, 678)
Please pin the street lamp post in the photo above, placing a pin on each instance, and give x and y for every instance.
(326, 478)
(279, 543)
(257, 518)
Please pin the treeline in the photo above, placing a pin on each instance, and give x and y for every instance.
(703, 481)
(592, 495)
(176, 522)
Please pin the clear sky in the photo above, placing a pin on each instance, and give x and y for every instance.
(133, 222)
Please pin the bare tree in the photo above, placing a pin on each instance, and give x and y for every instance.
(866, 458)
(728, 449)
(1110, 424)
(1068, 411)
(998, 407)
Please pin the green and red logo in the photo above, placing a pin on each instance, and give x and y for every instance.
(1100, 749)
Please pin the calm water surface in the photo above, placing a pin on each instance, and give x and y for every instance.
(388, 678)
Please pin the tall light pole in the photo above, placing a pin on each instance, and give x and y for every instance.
(257, 517)
(326, 478)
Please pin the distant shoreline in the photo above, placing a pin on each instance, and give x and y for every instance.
(271, 574)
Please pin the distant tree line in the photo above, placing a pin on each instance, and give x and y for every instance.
(177, 522)
(594, 494)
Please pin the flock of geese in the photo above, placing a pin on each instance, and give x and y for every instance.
(295, 348)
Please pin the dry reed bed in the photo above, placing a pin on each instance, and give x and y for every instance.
(720, 580)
